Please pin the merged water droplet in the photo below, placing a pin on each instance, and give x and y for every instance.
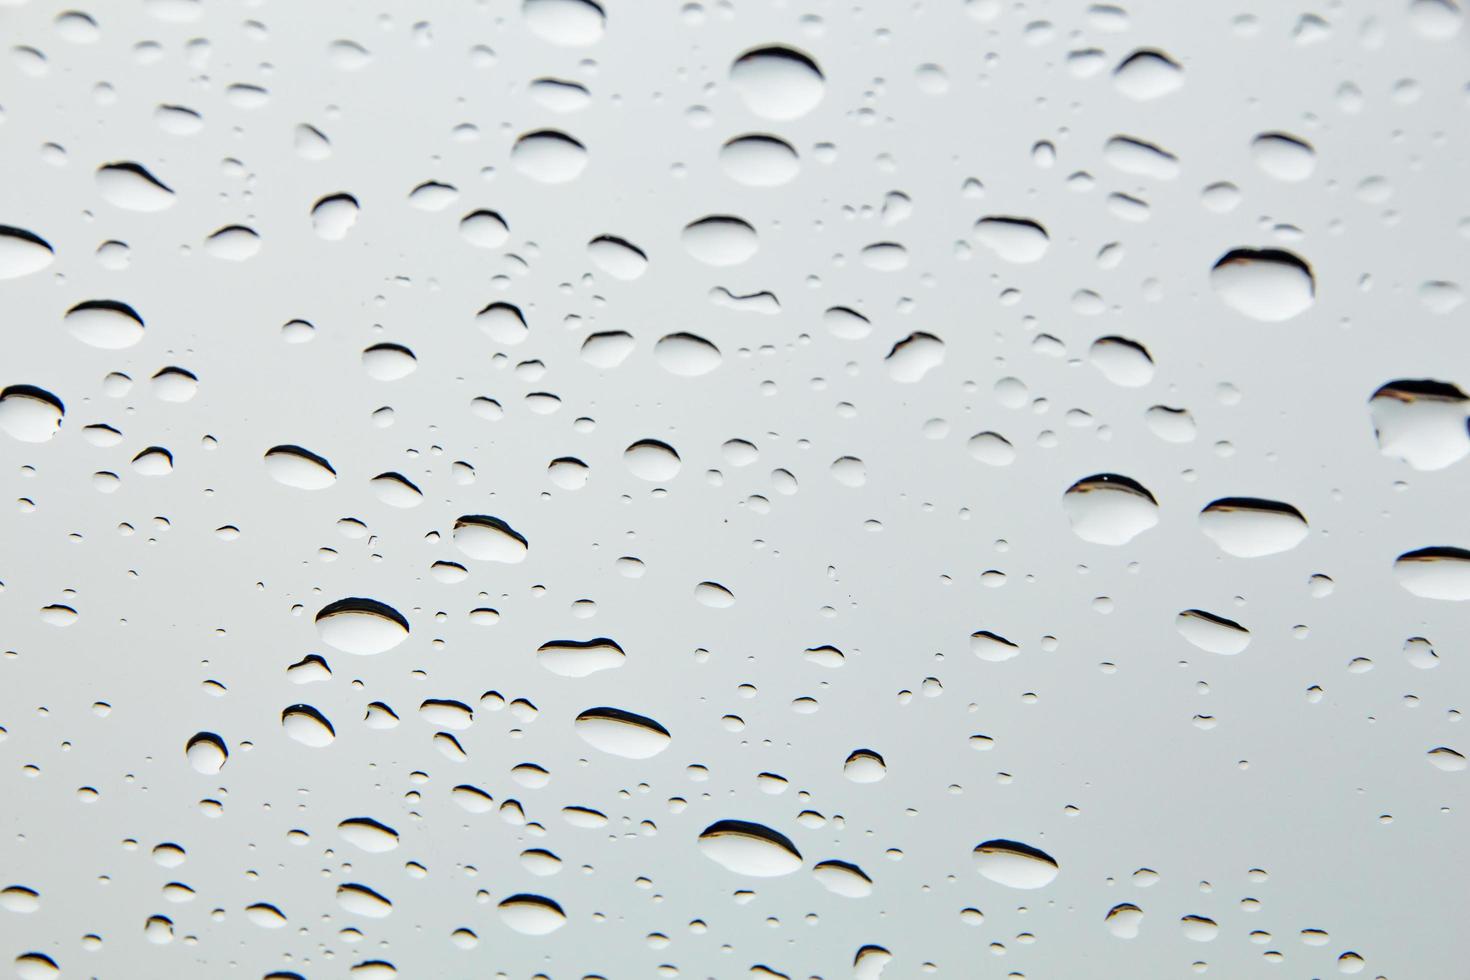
(1122, 361)
(580, 658)
(1422, 422)
(332, 217)
(914, 356)
(618, 258)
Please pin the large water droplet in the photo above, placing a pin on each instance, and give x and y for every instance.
(1422, 422)
(618, 258)
(1015, 865)
(915, 356)
(361, 626)
(105, 324)
(622, 733)
(368, 834)
(720, 240)
(569, 23)
(206, 753)
(1013, 239)
(303, 723)
(486, 538)
(1270, 285)
(651, 460)
(842, 878)
(777, 82)
(532, 915)
(760, 160)
(686, 355)
(293, 466)
(23, 252)
(1435, 573)
(549, 156)
(30, 414)
(1109, 509)
(579, 658)
(362, 900)
(749, 849)
(1211, 633)
(131, 187)
(1248, 527)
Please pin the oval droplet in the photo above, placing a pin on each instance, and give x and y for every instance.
(364, 627)
(622, 733)
(749, 849)
(1015, 865)
(1109, 509)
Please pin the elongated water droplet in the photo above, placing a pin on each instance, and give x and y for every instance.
(749, 849)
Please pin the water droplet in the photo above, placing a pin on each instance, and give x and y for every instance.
(503, 323)
(569, 23)
(206, 753)
(720, 240)
(1248, 527)
(841, 878)
(864, 766)
(130, 186)
(1284, 156)
(1199, 929)
(486, 538)
(1124, 920)
(105, 324)
(1447, 759)
(1015, 865)
(303, 723)
(580, 658)
(714, 595)
(760, 160)
(914, 356)
(777, 82)
(388, 362)
(1109, 509)
(1270, 285)
(651, 460)
(30, 414)
(622, 733)
(686, 355)
(749, 849)
(293, 466)
(234, 243)
(618, 258)
(368, 834)
(1211, 633)
(1435, 573)
(484, 229)
(1422, 422)
(549, 156)
(332, 217)
(23, 252)
(1020, 240)
(1147, 74)
(992, 647)
(364, 627)
(1122, 361)
(362, 900)
(532, 915)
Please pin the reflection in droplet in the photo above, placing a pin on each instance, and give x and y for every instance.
(749, 849)
(361, 626)
(1015, 865)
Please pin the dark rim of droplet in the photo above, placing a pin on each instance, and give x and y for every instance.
(1408, 389)
(713, 220)
(1210, 617)
(110, 305)
(395, 348)
(993, 636)
(400, 479)
(331, 198)
(1436, 553)
(309, 712)
(600, 641)
(568, 461)
(766, 138)
(446, 703)
(847, 310)
(137, 170)
(1143, 144)
(181, 372)
(305, 454)
(1277, 256)
(380, 706)
(514, 310)
(10, 231)
(623, 717)
(744, 828)
(486, 214)
(825, 648)
(1124, 342)
(844, 866)
(554, 135)
(433, 185)
(1004, 219)
(620, 243)
(912, 338)
(1146, 54)
(1276, 136)
(782, 52)
(525, 898)
(1111, 481)
(356, 604)
(227, 229)
(353, 886)
(31, 391)
(684, 335)
(1016, 847)
(860, 754)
